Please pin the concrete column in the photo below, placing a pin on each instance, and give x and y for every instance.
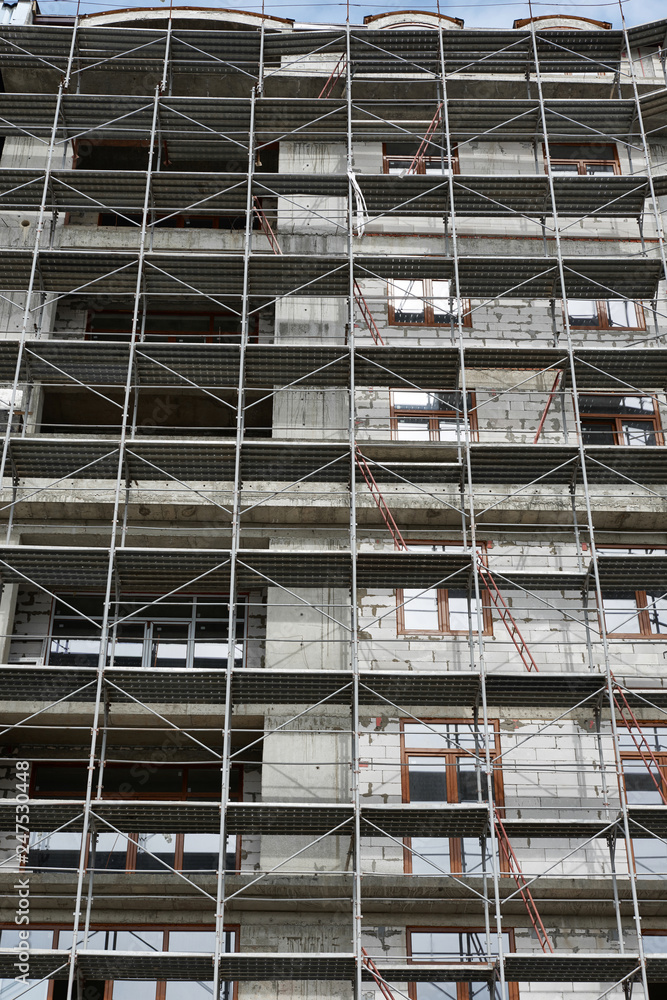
(7, 611)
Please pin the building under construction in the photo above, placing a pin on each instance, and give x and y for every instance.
(334, 554)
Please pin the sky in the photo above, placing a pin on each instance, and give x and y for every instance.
(476, 13)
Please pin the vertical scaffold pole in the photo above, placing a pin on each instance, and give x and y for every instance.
(113, 541)
(587, 501)
(354, 646)
(476, 629)
(235, 545)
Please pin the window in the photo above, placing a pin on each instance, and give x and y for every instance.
(425, 303)
(135, 851)
(429, 945)
(592, 160)
(622, 420)
(442, 611)
(642, 788)
(429, 416)
(605, 314)
(655, 943)
(175, 633)
(399, 157)
(124, 938)
(167, 326)
(635, 614)
(443, 762)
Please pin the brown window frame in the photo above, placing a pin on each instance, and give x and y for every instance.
(429, 314)
(131, 844)
(581, 162)
(455, 852)
(643, 617)
(161, 986)
(443, 600)
(434, 417)
(617, 419)
(603, 318)
(421, 165)
(462, 988)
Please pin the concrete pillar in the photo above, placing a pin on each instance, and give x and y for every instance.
(7, 611)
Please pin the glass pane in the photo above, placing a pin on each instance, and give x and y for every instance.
(583, 312)
(138, 940)
(640, 783)
(430, 945)
(638, 433)
(200, 852)
(564, 168)
(408, 297)
(9, 938)
(411, 399)
(620, 613)
(184, 990)
(458, 611)
(92, 990)
(199, 941)
(450, 429)
(622, 313)
(595, 169)
(443, 306)
(10, 988)
(421, 611)
(657, 612)
(654, 944)
(466, 779)
(397, 166)
(471, 856)
(54, 850)
(434, 856)
(440, 735)
(161, 845)
(437, 165)
(59, 780)
(65, 652)
(436, 991)
(427, 779)
(607, 403)
(650, 859)
(598, 432)
(147, 780)
(129, 989)
(111, 852)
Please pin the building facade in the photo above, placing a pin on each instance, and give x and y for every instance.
(334, 567)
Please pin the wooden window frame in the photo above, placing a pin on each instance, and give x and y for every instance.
(455, 851)
(161, 987)
(581, 162)
(421, 166)
(131, 844)
(434, 416)
(462, 988)
(429, 314)
(603, 318)
(643, 618)
(443, 600)
(617, 419)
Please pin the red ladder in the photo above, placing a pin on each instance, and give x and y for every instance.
(507, 619)
(266, 225)
(336, 74)
(380, 502)
(639, 740)
(375, 973)
(421, 152)
(554, 389)
(368, 315)
(522, 885)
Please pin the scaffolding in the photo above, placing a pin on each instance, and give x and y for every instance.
(322, 531)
